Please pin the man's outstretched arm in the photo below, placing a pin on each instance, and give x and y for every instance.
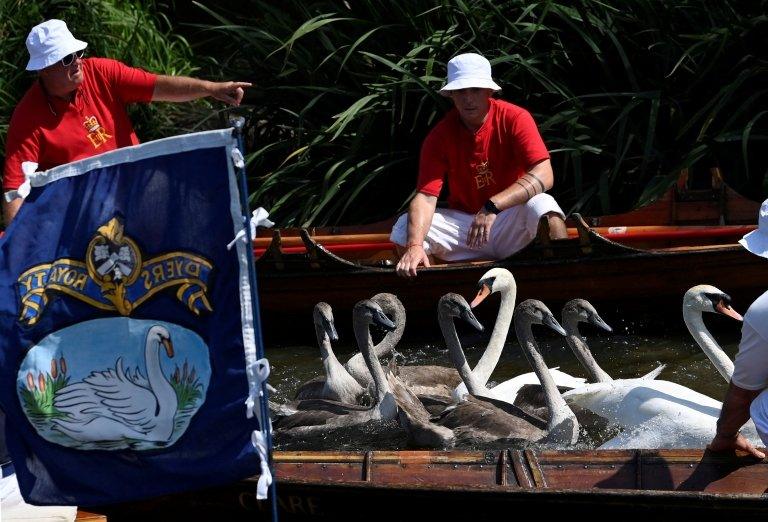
(184, 88)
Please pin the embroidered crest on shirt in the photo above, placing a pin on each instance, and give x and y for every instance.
(96, 133)
(484, 176)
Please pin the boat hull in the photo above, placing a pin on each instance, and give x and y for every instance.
(628, 280)
(480, 485)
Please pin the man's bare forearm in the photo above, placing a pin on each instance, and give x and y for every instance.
(420, 214)
(10, 209)
(537, 180)
(735, 411)
(184, 88)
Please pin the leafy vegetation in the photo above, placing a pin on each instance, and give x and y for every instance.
(626, 92)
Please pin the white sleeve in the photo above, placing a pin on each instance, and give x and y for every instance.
(751, 365)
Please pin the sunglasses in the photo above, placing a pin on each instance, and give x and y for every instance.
(70, 58)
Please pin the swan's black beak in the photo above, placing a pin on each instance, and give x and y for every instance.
(550, 321)
(330, 329)
(598, 321)
(725, 308)
(468, 316)
(483, 291)
(381, 319)
(166, 342)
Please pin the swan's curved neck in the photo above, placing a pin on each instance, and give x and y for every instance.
(363, 338)
(582, 351)
(159, 384)
(330, 362)
(356, 365)
(490, 358)
(456, 353)
(559, 410)
(704, 339)
(390, 340)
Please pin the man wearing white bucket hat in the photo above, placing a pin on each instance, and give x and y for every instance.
(77, 106)
(497, 170)
(747, 393)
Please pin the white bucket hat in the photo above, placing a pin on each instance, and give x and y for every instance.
(49, 42)
(757, 240)
(469, 70)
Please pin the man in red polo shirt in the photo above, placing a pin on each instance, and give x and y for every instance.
(77, 107)
(497, 168)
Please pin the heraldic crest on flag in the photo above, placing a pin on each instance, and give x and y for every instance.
(127, 327)
(113, 276)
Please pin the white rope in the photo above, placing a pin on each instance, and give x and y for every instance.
(259, 372)
(28, 168)
(258, 219)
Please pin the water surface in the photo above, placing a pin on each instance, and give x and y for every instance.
(634, 348)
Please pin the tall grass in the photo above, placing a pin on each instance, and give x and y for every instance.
(626, 93)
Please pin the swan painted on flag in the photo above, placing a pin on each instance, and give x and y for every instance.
(112, 405)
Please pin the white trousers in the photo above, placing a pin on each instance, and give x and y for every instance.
(759, 413)
(13, 507)
(512, 230)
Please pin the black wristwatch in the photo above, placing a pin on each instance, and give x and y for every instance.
(491, 207)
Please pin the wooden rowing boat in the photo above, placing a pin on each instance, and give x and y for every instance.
(656, 252)
(480, 485)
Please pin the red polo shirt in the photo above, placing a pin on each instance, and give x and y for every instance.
(51, 131)
(481, 164)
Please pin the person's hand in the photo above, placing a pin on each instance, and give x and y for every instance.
(412, 258)
(480, 229)
(229, 92)
(721, 443)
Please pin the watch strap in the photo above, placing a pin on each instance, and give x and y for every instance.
(491, 207)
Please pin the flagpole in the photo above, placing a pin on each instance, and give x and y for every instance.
(237, 124)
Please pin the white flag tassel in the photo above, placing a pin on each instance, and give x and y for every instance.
(258, 373)
(259, 442)
(258, 219)
(28, 168)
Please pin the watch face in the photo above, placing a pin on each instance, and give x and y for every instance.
(491, 207)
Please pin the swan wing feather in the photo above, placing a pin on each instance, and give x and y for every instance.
(654, 373)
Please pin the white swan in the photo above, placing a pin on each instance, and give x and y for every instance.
(658, 413)
(114, 405)
(501, 280)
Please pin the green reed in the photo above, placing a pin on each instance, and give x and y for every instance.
(626, 93)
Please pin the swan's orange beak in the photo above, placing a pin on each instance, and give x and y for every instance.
(484, 292)
(168, 346)
(727, 310)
